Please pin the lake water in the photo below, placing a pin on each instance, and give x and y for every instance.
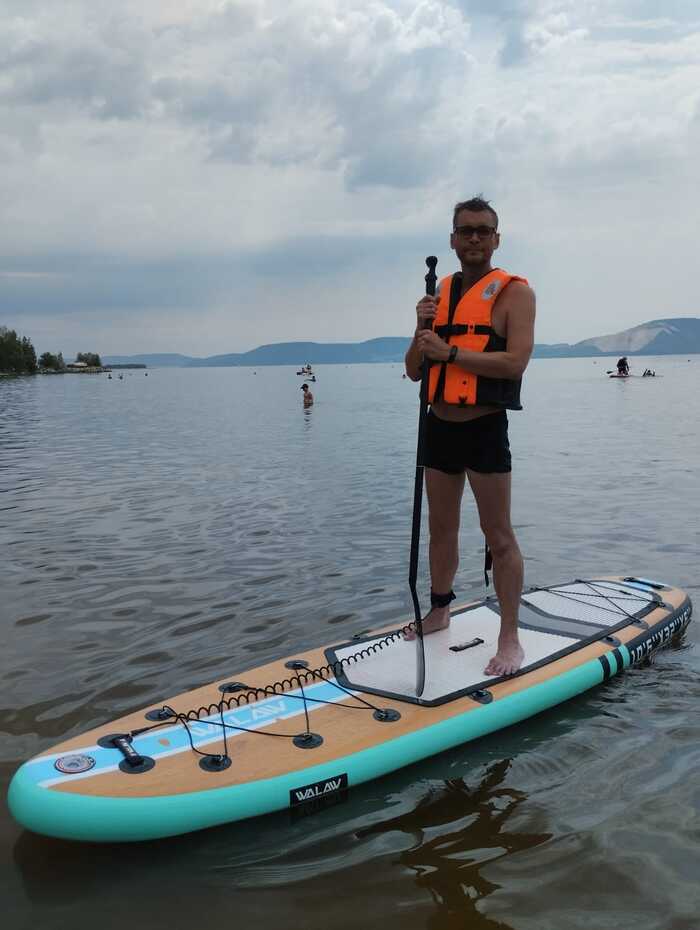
(163, 531)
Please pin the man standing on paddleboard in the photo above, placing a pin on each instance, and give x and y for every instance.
(481, 339)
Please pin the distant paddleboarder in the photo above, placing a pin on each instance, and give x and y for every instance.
(479, 347)
(623, 368)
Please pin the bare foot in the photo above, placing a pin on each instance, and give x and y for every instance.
(507, 660)
(437, 619)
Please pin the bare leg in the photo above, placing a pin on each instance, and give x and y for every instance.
(492, 494)
(444, 502)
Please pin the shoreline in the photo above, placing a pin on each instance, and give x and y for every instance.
(52, 371)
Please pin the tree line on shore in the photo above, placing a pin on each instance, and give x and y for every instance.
(18, 356)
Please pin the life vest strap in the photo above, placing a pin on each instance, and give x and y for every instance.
(463, 329)
(455, 296)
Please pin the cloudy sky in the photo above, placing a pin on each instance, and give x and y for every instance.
(200, 176)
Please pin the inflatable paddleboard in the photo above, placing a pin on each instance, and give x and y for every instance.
(311, 726)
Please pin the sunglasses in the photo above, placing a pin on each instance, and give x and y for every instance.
(483, 232)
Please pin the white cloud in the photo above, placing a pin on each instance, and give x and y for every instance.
(320, 145)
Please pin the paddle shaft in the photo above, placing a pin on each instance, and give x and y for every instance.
(430, 282)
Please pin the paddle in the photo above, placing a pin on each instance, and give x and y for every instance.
(430, 282)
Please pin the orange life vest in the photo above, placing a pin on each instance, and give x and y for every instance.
(464, 320)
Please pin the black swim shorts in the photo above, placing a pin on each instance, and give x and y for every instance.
(479, 445)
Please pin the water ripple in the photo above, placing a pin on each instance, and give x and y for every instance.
(183, 528)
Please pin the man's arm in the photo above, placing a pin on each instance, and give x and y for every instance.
(519, 308)
(414, 361)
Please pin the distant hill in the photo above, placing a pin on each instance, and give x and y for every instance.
(676, 336)
(679, 336)
(159, 360)
(386, 349)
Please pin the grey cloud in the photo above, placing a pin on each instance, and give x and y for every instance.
(516, 50)
(314, 98)
(103, 73)
(59, 284)
(524, 23)
(496, 9)
(681, 11)
(511, 17)
(56, 285)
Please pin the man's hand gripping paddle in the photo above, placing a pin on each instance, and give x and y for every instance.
(430, 282)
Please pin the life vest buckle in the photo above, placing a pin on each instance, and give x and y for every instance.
(471, 329)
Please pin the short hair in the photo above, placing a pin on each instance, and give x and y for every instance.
(476, 205)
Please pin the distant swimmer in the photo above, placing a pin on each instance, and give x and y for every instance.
(623, 367)
(308, 396)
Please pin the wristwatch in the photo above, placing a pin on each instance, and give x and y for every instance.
(453, 354)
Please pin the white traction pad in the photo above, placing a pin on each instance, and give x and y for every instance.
(393, 668)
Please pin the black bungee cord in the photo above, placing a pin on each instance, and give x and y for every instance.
(614, 607)
(184, 718)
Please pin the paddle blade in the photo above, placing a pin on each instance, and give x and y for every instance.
(420, 661)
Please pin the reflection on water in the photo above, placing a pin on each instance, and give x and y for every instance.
(441, 843)
(446, 855)
(159, 533)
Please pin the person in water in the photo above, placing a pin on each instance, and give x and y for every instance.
(308, 396)
(623, 367)
(479, 347)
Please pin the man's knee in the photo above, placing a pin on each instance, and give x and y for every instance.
(444, 523)
(444, 534)
(501, 541)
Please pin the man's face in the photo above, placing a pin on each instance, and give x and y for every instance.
(474, 238)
